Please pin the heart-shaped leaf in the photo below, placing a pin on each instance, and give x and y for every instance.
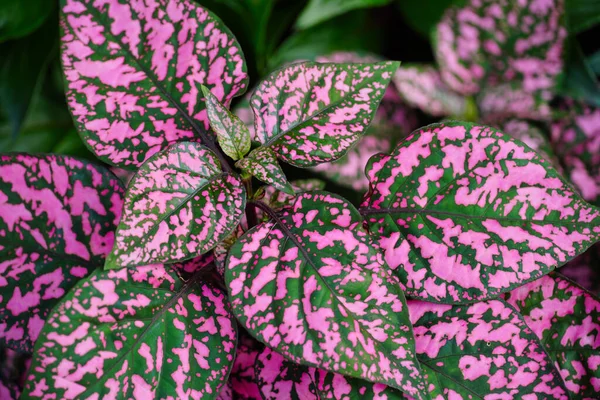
(566, 319)
(57, 219)
(262, 163)
(134, 74)
(421, 86)
(232, 133)
(279, 379)
(311, 113)
(310, 285)
(576, 138)
(513, 49)
(178, 205)
(463, 213)
(483, 350)
(135, 333)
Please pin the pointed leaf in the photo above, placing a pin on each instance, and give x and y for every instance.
(566, 318)
(310, 285)
(178, 205)
(514, 47)
(421, 86)
(232, 133)
(262, 163)
(135, 333)
(311, 113)
(279, 378)
(57, 219)
(483, 350)
(134, 73)
(464, 212)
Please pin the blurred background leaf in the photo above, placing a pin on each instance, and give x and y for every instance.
(21, 17)
(318, 11)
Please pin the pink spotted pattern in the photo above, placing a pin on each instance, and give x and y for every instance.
(576, 138)
(309, 284)
(534, 137)
(57, 220)
(262, 163)
(178, 205)
(421, 86)
(135, 333)
(566, 318)
(463, 213)
(134, 71)
(510, 52)
(282, 379)
(311, 113)
(485, 347)
(243, 375)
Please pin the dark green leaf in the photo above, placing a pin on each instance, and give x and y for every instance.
(318, 11)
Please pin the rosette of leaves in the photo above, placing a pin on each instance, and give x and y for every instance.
(113, 291)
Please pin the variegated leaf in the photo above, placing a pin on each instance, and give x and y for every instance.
(57, 219)
(134, 72)
(263, 165)
(178, 205)
(310, 285)
(421, 86)
(484, 350)
(576, 139)
(566, 319)
(279, 379)
(533, 136)
(135, 333)
(277, 199)
(463, 213)
(232, 133)
(509, 50)
(243, 374)
(311, 113)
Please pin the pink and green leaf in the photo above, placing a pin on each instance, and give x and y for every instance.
(309, 284)
(135, 333)
(421, 86)
(277, 199)
(464, 213)
(510, 51)
(482, 350)
(243, 374)
(232, 134)
(576, 138)
(282, 379)
(263, 165)
(566, 319)
(310, 113)
(134, 74)
(57, 219)
(533, 136)
(179, 205)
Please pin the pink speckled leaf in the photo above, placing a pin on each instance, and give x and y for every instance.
(534, 136)
(57, 220)
(566, 319)
(282, 379)
(576, 138)
(134, 72)
(178, 205)
(310, 113)
(464, 212)
(482, 351)
(242, 378)
(263, 165)
(277, 199)
(421, 86)
(232, 133)
(138, 333)
(510, 51)
(309, 284)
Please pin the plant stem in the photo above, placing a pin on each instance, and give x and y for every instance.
(251, 217)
